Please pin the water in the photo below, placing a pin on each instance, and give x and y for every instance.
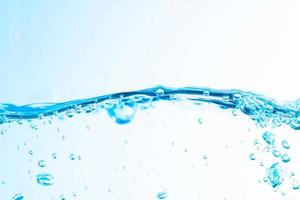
(195, 143)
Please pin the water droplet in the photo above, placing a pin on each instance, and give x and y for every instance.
(161, 195)
(54, 156)
(285, 144)
(275, 175)
(122, 113)
(160, 92)
(18, 196)
(72, 156)
(45, 179)
(42, 163)
(252, 156)
(285, 158)
(269, 137)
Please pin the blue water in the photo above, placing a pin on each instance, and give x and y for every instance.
(123, 109)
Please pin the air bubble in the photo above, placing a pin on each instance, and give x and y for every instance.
(159, 92)
(269, 137)
(42, 163)
(275, 175)
(45, 179)
(285, 158)
(54, 156)
(252, 156)
(18, 196)
(122, 113)
(72, 156)
(161, 195)
(285, 144)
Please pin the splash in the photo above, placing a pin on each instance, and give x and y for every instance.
(122, 106)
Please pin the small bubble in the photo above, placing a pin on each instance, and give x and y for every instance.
(285, 144)
(62, 197)
(200, 121)
(122, 113)
(205, 157)
(234, 112)
(161, 195)
(285, 158)
(54, 156)
(18, 196)
(252, 156)
(42, 163)
(159, 92)
(269, 137)
(261, 163)
(206, 93)
(72, 156)
(45, 179)
(276, 153)
(296, 186)
(30, 152)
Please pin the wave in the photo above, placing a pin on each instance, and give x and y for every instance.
(264, 111)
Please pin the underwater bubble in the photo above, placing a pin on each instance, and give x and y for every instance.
(122, 113)
(205, 157)
(161, 195)
(54, 156)
(234, 112)
(276, 153)
(160, 92)
(200, 121)
(269, 137)
(62, 197)
(18, 196)
(285, 158)
(42, 163)
(72, 156)
(285, 144)
(252, 156)
(275, 175)
(30, 152)
(206, 93)
(296, 186)
(45, 179)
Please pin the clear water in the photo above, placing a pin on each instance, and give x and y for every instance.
(157, 143)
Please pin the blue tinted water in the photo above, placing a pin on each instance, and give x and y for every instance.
(123, 108)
